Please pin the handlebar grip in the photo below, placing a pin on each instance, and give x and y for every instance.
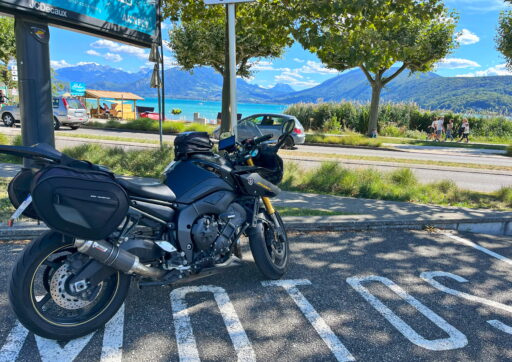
(262, 139)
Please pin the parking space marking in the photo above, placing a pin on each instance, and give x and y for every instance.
(13, 344)
(501, 326)
(478, 247)
(456, 338)
(51, 351)
(112, 350)
(187, 347)
(429, 278)
(337, 348)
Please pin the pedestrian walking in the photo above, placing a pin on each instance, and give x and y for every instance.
(465, 131)
(3, 99)
(439, 127)
(449, 131)
(431, 130)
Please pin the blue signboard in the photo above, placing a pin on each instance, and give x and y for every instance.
(133, 21)
(77, 89)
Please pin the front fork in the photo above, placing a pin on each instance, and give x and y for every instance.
(268, 206)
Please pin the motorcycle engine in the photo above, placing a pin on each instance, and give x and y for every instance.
(216, 232)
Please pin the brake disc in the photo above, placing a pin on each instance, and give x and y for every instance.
(59, 294)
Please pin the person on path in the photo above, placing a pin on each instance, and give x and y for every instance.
(439, 129)
(465, 131)
(3, 99)
(431, 130)
(449, 131)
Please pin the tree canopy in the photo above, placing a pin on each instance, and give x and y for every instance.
(198, 36)
(504, 38)
(7, 44)
(375, 35)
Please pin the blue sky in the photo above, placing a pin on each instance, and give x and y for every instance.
(476, 56)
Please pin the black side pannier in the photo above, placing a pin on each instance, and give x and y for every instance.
(86, 204)
(272, 164)
(190, 143)
(19, 189)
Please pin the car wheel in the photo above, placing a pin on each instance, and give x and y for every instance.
(289, 143)
(8, 119)
(56, 124)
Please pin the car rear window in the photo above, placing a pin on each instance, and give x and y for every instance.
(74, 104)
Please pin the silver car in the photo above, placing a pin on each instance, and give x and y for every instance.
(66, 112)
(270, 123)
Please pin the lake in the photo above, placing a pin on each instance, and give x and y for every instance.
(208, 109)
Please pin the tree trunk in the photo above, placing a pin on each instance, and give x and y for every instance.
(374, 107)
(225, 125)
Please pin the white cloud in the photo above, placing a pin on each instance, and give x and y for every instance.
(316, 68)
(294, 79)
(114, 47)
(500, 69)
(113, 57)
(457, 63)
(298, 60)
(87, 63)
(93, 52)
(58, 64)
(467, 37)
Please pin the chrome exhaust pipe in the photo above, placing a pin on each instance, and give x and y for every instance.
(117, 258)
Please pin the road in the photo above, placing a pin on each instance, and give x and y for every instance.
(308, 156)
(374, 296)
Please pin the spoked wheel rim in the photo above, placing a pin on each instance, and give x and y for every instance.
(277, 245)
(8, 120)
(56, 304)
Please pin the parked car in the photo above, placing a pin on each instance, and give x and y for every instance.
(270, 123)
(66, 112)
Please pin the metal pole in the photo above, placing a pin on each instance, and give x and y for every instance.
(162, 81)
(232, 67)
(33, 56)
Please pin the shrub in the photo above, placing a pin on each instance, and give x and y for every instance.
(509, 150)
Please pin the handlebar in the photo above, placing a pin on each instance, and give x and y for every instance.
(262, 139)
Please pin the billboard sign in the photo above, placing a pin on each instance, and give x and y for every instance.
(77, 89)
(131, 21)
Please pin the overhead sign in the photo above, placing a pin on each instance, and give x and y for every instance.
(77, 89)
(132, 21)
(218, 2)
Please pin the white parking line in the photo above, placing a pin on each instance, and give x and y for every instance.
(112, 350)
(187, 347)
(456, 338)
(13, 343)
(501, 326)
(478, 247)
(337, 348)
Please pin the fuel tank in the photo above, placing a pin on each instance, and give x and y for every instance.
(195, 178)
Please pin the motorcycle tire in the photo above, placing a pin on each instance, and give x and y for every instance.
(27, 306)
(261, 240)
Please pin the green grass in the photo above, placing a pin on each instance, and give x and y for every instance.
(151, 125)
(400, 185)
(348, 140)
(295, 211)
(143, 163)
(509, 150)
(110, 138)
(6, 209)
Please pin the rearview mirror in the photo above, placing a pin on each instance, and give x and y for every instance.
(288, 127)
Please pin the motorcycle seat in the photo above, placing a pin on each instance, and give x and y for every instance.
(158, 192)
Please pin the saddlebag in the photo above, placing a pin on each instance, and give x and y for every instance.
(19, 189)
(191, 143)
(85, 204)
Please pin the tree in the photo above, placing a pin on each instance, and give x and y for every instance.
(199, 37)
(376, 35)
(504, 38)
(7, 46)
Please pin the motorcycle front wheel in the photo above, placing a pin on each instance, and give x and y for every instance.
(42, 301)
(269, 247)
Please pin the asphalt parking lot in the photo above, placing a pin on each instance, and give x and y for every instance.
(375, 296)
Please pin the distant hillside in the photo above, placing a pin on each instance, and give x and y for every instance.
(429, 90)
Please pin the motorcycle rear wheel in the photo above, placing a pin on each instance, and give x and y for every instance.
(41, 302)
(269, 249)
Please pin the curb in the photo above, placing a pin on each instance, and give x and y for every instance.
(491, 226)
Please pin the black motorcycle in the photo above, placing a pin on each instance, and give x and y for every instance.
(106, 230)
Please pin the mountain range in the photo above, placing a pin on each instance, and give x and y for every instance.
(428, 90)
